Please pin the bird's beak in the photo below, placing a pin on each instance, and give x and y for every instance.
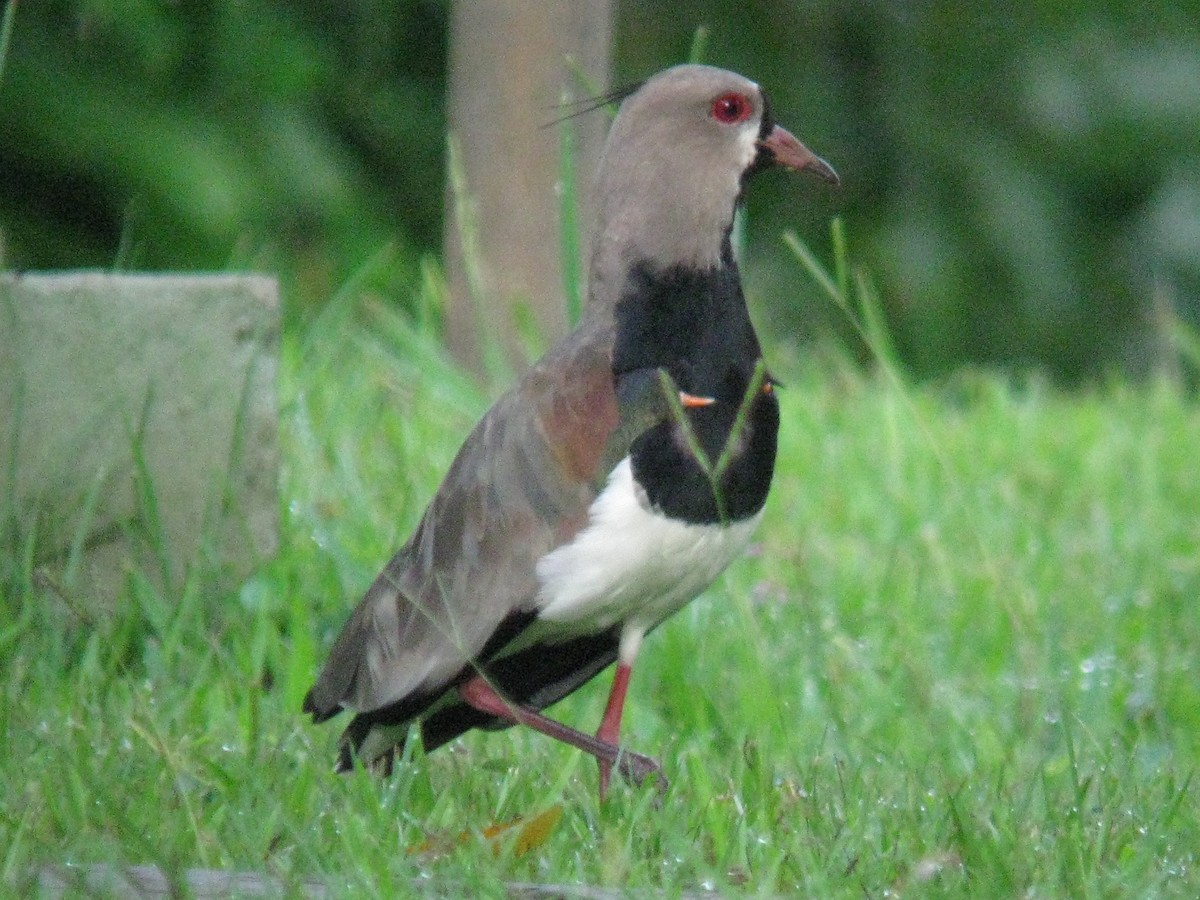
(790, 153)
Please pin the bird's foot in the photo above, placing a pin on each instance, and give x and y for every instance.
(637, 768)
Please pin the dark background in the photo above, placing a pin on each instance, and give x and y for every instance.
(1023, 186)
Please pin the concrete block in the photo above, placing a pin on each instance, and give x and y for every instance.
(138, 423)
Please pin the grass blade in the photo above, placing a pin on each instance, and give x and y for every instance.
(6, 31)
(568, 219)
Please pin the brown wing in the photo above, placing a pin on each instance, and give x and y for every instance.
(520, 486)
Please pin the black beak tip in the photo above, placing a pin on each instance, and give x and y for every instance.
(824, 171)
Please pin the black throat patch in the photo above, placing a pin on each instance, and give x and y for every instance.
(695, 325)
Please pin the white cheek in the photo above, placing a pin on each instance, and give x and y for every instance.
(632, 564)
(747, 145)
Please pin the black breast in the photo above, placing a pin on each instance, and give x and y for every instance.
(696, 326)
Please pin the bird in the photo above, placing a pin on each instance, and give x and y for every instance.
(622, 474)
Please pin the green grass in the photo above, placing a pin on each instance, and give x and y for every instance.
(961, 661)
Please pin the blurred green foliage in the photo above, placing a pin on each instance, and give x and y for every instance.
(1023, 183)
(297, 137)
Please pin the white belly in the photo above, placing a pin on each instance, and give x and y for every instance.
(630, 563)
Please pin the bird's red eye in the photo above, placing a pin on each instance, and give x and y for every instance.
(731, 108)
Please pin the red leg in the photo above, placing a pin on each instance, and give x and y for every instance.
(610, 725)
(480, 695)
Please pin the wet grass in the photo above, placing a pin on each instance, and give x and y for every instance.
(961, 660)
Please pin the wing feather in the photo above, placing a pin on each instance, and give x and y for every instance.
(520, 486)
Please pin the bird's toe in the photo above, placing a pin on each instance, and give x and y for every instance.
(637, 768)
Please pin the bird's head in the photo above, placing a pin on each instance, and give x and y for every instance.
(676, 162)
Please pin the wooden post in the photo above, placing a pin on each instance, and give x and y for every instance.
(508, 71)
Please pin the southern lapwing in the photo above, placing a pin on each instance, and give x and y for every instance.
(614, 483)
